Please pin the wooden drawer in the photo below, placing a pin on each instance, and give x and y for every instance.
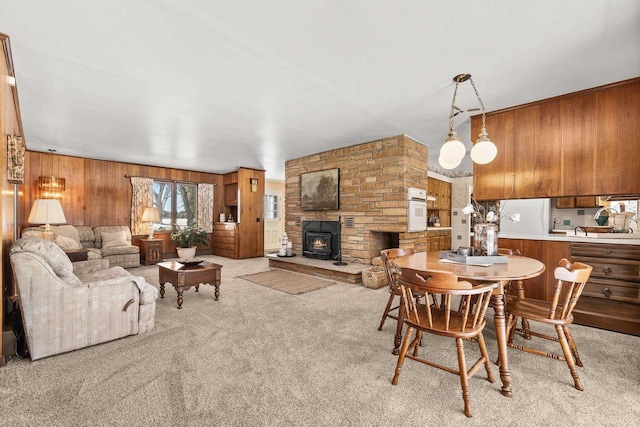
(608, 314)
(614, 269)
(224, 233)
(603, 250)
(615, 290)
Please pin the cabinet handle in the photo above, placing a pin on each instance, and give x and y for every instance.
(607, 251)
(607, 292)
(606, 270)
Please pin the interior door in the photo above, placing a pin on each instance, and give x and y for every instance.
(273, 229)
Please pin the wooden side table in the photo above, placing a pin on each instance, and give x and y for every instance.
(150, 251)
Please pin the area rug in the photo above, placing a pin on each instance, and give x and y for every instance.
(288, 281)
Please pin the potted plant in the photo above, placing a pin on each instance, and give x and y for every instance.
(185, 240)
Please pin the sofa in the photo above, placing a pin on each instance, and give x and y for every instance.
(62, 311)
(111, 242)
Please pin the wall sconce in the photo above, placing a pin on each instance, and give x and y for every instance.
(150, 215)
(46, 211)
(51, 187)
(254, 184)
(453, 150)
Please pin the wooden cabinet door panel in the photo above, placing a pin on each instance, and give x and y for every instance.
(629, 139)
(578, 124)
(495, 180)
(606, 149)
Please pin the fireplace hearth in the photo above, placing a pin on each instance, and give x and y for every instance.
(321, 239)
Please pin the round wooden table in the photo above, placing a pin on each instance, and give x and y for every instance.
(517, 268)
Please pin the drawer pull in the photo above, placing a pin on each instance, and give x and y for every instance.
(606, 270)
(607, 251)
(607, 292)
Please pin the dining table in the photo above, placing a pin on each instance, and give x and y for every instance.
(516, 268)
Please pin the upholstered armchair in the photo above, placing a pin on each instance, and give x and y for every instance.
(63, 312)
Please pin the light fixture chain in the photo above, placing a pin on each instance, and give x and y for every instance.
(453, 103)
(479, 101)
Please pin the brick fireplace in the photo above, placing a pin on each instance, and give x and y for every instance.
(374, 177)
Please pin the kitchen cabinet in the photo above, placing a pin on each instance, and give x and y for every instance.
(584, 143)
(441, 206)
(577, 202)
(548, 252)
(439, 240)
(611, 297)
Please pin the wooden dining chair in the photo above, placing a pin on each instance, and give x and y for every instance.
(443, 315)
(570, 281)
(388, 255)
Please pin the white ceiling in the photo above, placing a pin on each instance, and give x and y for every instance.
(213, 85)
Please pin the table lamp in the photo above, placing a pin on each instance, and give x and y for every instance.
(46, 211)
(150, 215)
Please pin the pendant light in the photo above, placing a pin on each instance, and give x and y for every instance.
(453, 150)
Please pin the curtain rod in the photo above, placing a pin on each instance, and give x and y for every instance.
(169, 180)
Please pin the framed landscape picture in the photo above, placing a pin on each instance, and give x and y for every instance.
(320, 191)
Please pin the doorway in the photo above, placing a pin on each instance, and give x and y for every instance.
(273, 225)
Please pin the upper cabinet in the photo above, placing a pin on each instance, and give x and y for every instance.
(581, 144)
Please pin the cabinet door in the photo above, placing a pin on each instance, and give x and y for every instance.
(565, 202)
(538, 150)
(628, 139)
(231, 195)
(495, 180)
(431, 191)
(578, 124)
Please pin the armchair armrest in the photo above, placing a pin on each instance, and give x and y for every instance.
(82, 268)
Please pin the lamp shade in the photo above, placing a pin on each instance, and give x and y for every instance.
(46, 211)
(150, 214)
(449, 165)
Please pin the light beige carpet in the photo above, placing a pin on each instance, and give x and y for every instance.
(288, 281)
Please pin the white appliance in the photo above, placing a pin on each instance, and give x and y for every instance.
(534, 217)
(417, 214)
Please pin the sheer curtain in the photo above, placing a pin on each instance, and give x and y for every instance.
(141, 197)
(205, 207)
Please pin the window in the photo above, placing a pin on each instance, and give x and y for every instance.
(176, 202)
(270, 206)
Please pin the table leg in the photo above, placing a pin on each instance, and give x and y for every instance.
(179, 298)
(197, 287)
(162, 290)
(501, 334)
(217, 292)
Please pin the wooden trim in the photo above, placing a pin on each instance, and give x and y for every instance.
(6, 47)
(560, 97)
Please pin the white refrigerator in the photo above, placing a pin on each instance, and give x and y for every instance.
(534, 217)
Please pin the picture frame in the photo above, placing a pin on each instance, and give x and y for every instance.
(15, 159)
(320, 190)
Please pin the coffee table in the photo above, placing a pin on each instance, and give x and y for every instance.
(183, 277)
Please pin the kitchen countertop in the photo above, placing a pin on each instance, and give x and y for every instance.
(564, 238)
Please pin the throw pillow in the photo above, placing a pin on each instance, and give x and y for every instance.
(117, 238)
(67, 243)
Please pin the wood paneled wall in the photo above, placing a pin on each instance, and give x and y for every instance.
(98, 191)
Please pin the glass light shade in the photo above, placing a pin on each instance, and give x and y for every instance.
(484, 152)
(453, 150)
(448, 165)
(51, 187)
